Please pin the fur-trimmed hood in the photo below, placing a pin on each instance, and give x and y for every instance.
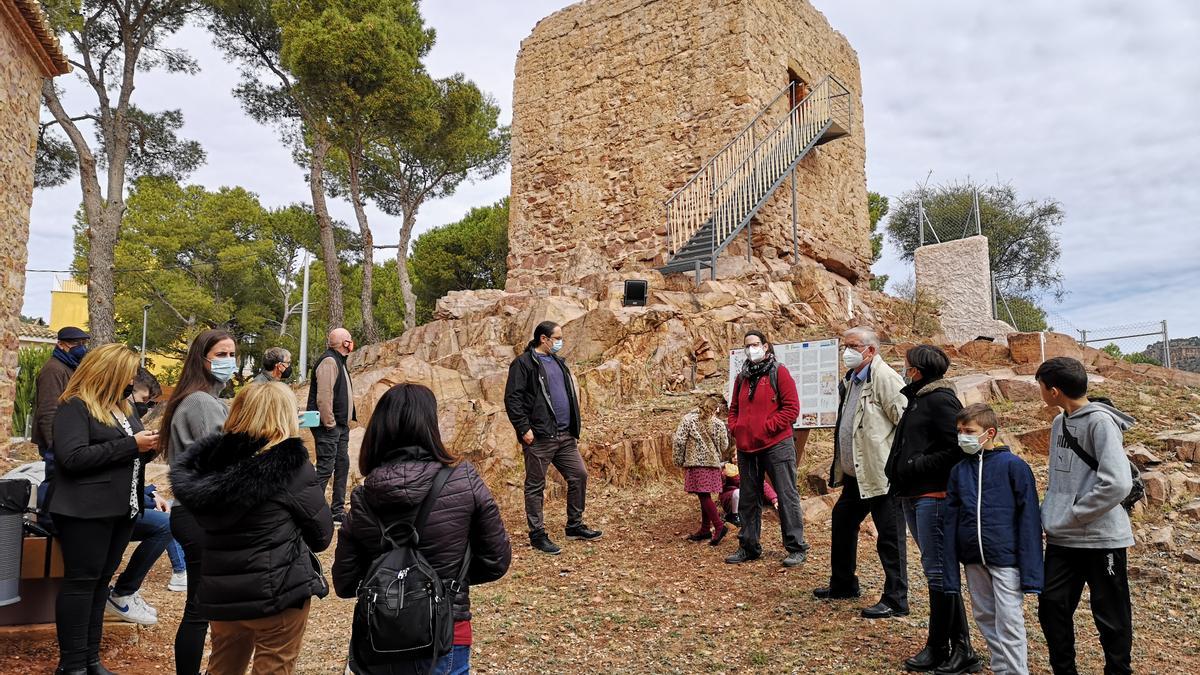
(924, 388)
(221, 477)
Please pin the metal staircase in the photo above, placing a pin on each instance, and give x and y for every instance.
(720, 200)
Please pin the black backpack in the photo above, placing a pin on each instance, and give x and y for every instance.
(1136, 492)
(404, 609)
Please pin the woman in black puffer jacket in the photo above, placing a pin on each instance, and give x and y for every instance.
(401, 453)
(924, 450)
(255, 494)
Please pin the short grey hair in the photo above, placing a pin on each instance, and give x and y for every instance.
(864, 333)
(275, 356)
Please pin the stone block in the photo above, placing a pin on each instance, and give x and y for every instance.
(974, 388)
(957, 274)
(1019, 389)
(815, 510)
(1033, 348)
(985, 351)
(1162, 539)
(1036, 441)
(1158, 488)
(1186, 446)
(817, 481)
(1140, 455)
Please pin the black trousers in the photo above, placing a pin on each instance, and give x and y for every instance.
(189, 637)
(1104, 572)
(848, 514)
(333, 459)
(92, 550)
(779, 463)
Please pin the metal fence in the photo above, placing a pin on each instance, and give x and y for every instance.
(1144, 342)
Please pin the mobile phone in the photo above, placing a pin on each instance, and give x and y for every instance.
(309, 419)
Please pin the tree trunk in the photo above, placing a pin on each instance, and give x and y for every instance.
(406, 289)
(103, 224)
(333, 273)
(369, 330)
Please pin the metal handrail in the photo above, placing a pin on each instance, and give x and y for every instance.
(697, 209)
(746, 129)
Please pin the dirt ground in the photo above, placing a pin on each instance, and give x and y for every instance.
(643, 600)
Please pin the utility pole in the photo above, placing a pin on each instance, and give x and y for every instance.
(145, 321)
(304, 323)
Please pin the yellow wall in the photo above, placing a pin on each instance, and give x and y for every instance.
(68, 306)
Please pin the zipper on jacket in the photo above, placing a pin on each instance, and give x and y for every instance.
(979, 512)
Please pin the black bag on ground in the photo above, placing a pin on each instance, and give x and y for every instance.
(404, 609)
(1136, 492)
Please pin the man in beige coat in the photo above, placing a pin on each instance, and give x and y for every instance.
(870, 408)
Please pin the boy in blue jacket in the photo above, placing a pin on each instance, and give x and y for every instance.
(993, 527)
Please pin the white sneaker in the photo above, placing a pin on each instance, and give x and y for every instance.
(137, 596)
(127, 608)
(178, 581)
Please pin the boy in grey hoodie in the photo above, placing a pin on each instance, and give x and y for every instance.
(1087, 531)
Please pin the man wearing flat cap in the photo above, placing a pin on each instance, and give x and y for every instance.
(51, 382)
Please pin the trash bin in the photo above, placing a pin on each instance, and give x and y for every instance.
(14, 500)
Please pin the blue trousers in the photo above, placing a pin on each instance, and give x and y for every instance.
(924, 518)
(153, 530)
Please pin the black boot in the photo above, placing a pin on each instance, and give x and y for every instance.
(962, 658)
(937, 644)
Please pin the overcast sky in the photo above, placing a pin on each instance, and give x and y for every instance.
(1090, 102)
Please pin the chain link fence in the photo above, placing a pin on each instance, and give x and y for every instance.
(1143, 342)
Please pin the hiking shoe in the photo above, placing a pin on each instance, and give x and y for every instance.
(741, 556)
(582, 532)
(127, 608)
(543, 544)
(178, 581)
(795, 559)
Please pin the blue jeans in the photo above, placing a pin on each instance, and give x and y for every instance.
(153, 530)
(924, 518)
(457, 662)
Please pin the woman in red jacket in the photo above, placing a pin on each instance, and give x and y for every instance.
(762, 411)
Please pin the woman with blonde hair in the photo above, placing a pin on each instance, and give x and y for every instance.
(700, 444)
(101, 452)
(255, 496)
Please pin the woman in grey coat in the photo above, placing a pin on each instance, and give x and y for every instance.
(193, 412)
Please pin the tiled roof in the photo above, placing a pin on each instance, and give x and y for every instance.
(33, 27)
(27, 329)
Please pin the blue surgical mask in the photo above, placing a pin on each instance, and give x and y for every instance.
(78, 351)
(223, 368)
(558, 345)
(970, 444)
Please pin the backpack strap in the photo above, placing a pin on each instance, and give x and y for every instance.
(418, 523)
(1072, 443)
(439, 482)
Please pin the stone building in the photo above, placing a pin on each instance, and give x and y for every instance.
(618, 103)
(29, 53)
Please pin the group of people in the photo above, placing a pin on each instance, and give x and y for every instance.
(908, 454)
(250, 512)
(249, 507)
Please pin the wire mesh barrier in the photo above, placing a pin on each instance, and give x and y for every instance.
(1136, 342)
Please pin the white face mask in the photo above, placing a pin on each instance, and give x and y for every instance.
(970, 444)
(851, 358)
(756, 353)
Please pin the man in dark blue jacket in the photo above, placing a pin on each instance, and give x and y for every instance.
(994, 528)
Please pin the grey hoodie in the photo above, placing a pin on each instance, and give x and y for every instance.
(1082, 508)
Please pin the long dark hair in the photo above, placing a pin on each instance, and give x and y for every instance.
(195, 377)
(545, 328)
(405, 417)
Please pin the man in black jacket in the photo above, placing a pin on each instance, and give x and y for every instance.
(51, 383)
(540, 401)
(332, 394)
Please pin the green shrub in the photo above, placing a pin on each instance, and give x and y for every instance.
(30, 360)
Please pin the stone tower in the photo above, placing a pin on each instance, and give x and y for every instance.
(618, 103)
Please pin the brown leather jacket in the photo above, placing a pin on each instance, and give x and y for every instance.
(51, 383)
